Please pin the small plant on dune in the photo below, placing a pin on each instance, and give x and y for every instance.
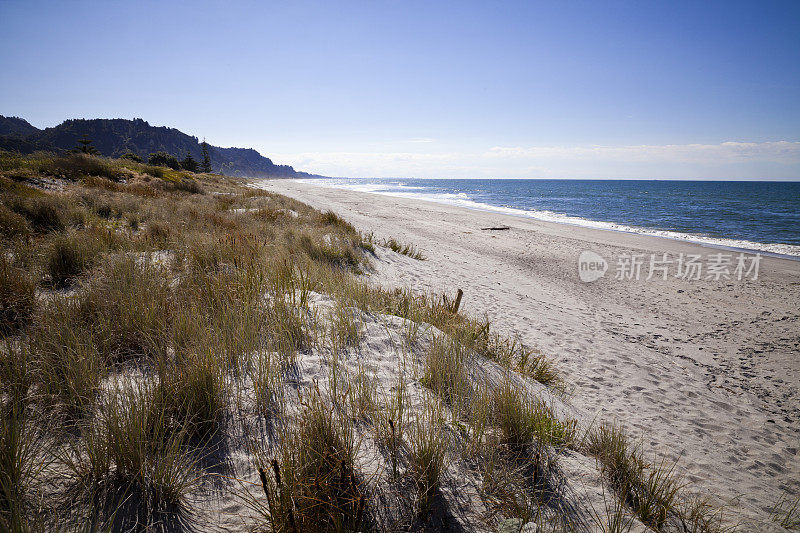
(787, 512)
(345, 329)
(445, 372)
(131, 446)
(524, 360)
(21, 461)
(312, 484)
(17, 297)
(428, 443)
(362, 391)
(473, 334)
(13, 225)
(16, 376)
(341, 254)
(267, 378)
(192, 393)
(614, 518)
(329, 218)
(128, 303)
(404, 249)
(523, 419)
(289, 328)
(649, 490)
(70, 256)
(68, 365)
(230, 306)
(44, 213)
(480, 417)
(698, 514)
(390, 427)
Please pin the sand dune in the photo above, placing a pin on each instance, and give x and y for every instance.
(704, 372)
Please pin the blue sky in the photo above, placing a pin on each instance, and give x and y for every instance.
(430, 89)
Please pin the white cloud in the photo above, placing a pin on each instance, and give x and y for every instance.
(780, 151)
(727, 160)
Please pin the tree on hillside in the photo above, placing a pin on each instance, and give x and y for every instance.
(132, 156)
(85, 147)
(205, 166)
(189, 163)
(163, 159)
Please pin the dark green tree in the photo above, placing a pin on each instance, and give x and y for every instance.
(189, 163)
(132, 156)
(205, 166)
(85, 147)
(163, 159)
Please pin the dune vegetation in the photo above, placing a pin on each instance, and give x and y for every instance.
(168, 336)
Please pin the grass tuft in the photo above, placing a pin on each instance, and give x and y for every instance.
(428, 443)
(404, 249)
(132, 446)
(312, 485)
(70, 257)
(17, 297)
(650, 490)
(523, 419)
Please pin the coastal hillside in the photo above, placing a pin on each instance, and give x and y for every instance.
(115, 137)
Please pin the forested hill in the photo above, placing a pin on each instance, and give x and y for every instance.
(114, 137)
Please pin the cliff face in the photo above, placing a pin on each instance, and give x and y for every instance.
(114, 137)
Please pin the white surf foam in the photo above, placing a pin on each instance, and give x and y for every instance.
(463, 200)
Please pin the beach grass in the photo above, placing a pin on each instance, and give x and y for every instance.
(153, 320)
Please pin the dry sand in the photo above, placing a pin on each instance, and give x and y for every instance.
(704, 372)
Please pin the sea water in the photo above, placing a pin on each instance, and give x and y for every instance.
(761, 216)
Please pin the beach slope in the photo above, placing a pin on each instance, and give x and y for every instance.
(704, 372)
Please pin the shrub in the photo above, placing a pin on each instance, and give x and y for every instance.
(76, 165)
(131, 157)
(189, 185)
(17, 297)
(158, 233)
(189, 163)
(163, 159)
(155, 171)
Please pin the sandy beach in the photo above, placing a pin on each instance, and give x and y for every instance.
(704, 372)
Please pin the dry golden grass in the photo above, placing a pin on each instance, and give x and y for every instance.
(145, 311)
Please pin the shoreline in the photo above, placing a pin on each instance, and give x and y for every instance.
(589, 223)
(703, 372)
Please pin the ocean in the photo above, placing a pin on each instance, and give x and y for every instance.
(760, 216)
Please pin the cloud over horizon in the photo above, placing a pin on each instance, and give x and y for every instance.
(726, 160)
